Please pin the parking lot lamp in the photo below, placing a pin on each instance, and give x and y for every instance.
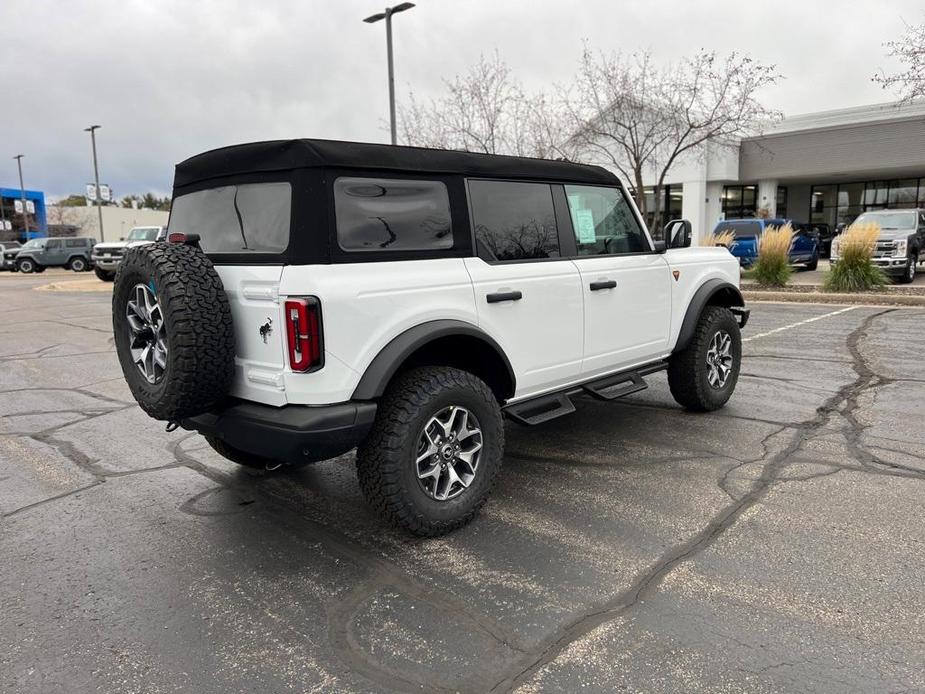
(387, 16)
(22, 193)
(96, 175)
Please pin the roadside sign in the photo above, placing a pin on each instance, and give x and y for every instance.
(17, 206)
(7, 224)
(30, 207)
(105, 192)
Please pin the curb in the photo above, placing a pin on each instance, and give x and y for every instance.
(872, 299)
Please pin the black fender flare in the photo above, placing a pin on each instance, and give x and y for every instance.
(729, 296)
(383, 367)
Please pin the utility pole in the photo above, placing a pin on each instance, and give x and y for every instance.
(22, 193)
(96, 176)
(387, 16)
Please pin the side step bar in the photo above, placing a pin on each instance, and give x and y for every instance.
(546, 407)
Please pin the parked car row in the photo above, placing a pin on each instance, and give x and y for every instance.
(803, 251)
(77, 253)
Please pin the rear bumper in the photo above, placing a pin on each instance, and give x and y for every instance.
(293, 433)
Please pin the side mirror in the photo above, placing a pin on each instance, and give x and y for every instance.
(678, 233)
(660, 246)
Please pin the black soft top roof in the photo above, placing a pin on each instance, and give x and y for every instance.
(284, 155)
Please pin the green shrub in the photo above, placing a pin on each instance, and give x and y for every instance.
(855, 271)
(772, 268)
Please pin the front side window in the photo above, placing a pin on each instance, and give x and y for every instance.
(243, 218)
(388, 214)
(604, 222)
(513, 221)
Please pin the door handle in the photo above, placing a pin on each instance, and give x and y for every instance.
(603, 284)
(503, 296)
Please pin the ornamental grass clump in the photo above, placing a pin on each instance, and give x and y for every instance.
(773, 266)
(855, 270)
(723, 238)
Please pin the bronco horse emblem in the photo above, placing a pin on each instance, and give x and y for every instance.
(266, 329)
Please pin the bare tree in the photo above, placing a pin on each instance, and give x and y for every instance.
(485, 110)
(910, 50)
(640, 118)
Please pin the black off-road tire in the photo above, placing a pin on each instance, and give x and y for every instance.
(105, 275)
(27, 266)
(386, 459)
(688, 369)
(814, 263)
(236, 455)
(908, 275)
(199, 331)
(78, 264)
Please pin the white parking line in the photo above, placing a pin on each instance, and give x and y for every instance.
(796, 325)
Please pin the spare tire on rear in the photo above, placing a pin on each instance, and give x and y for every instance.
(173, 330)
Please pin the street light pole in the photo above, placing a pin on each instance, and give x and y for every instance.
(96, 175)
(387, 16)
(22, 193)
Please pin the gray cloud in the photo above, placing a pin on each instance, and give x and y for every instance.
(169, 79)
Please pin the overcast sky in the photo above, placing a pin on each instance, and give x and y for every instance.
(168, 79)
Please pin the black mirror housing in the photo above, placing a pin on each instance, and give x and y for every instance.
(660, 246)
(678, 233)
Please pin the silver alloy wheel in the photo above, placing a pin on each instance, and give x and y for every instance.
(147, 336)
(719, 359)
(910, 270)
(78, 265)
(448, 452)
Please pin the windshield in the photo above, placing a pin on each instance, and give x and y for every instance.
(34, 243)
(143, 234)
(889, 220)
(245, 218)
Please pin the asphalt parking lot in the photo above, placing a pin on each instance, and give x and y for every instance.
(778, 544)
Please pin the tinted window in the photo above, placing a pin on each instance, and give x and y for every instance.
(604, 222)
(246, 218)
(741, 229)
(75, 243)
(53, 245)
(513, 221)
(382, 214)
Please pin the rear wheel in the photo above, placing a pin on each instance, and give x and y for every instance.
(434, 452)
(77, 264)
(105, 275)
(703, 376)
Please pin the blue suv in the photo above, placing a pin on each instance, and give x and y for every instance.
(803, 251)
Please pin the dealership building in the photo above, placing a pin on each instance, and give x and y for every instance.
(823, 167)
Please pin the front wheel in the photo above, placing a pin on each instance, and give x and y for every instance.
(434, 451)
(77, 264)
(909, 272)
(814, 262)
(703, 375)
(26, 265)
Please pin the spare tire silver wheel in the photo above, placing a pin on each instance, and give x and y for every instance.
(173, 330)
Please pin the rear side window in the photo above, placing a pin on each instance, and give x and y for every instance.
(513, 221)
(75, 243)
(244, 218)
(741, 229)
(604, 222)
(389, 214)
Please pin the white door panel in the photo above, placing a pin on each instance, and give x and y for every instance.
(541, 333)
(260, 357)
(630, 322)
(364, 306)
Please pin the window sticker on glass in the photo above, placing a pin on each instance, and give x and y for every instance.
(584, 223)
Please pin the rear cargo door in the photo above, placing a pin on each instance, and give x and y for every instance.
(253, 292)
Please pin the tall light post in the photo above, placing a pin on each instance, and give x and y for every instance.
(96, 175)
(22, 193)
(387, 16)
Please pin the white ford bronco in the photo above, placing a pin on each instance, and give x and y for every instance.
(316, 296)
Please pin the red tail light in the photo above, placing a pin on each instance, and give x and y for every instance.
(303, 333)
(176, 237)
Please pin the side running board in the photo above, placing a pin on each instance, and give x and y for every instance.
(547, 407)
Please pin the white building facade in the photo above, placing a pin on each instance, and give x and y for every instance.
(821, 168)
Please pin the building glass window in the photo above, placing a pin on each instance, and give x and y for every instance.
(739, 202)
(781, 202)
(842, 203)
(671, 207)
(513, 221)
